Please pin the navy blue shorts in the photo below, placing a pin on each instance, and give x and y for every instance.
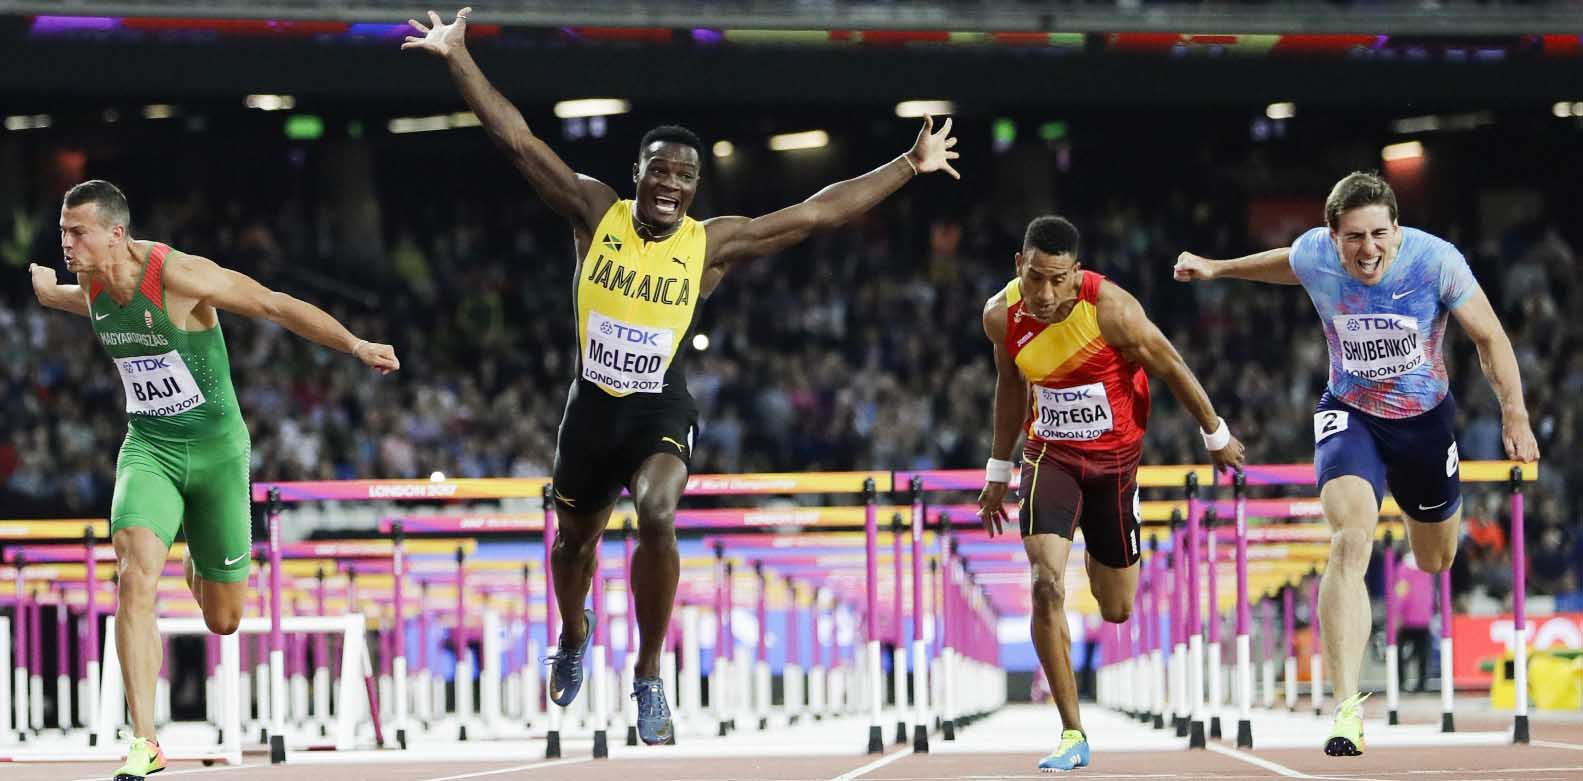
(1415, 457)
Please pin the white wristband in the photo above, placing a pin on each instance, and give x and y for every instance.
(1218, 439)
(997, 471)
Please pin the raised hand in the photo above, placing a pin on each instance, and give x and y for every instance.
(1190, 267)
(439, 38)
(932, 150)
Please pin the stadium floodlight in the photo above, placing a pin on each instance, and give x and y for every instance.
(1281, 110)
(724, 149)
(807, 139)
(1406, 150)
(591, 107)
(270, 102)
(918, 108)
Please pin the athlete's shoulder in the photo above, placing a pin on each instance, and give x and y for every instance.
(1429, 246)
(996, 307)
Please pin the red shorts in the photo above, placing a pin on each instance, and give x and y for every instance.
(1064, 489)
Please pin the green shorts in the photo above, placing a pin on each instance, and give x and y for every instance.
(201, 487)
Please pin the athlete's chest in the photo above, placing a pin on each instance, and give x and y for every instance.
(1047, 352)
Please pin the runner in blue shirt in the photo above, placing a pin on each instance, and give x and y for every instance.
(1387, 417)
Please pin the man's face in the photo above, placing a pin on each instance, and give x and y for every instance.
(1048, 281)
(1367, 239)
(667, 178)
(85, 241)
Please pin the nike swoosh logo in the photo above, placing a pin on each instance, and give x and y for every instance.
(1432, 506)
(1396, 296)
(229, 561)
(101, 317)
(674, 442)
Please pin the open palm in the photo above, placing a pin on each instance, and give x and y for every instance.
(438, 37)
(932, 150)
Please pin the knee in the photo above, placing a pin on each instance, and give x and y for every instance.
(657, 524)
(1116, 612)
(1048, 594)
(223, 620)
(576, 540)
(1435, 562)
(1350, 549)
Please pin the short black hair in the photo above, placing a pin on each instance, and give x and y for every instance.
(1051, 235)
(673, 134)
(113, 209)
(1356, 190)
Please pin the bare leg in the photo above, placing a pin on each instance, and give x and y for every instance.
(656, 565)
(140, 557)
(574, 560)
(1344, 614)
(1047, 554)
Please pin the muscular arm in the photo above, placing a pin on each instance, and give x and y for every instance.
(66, 298)
(1128, 330)
(578, 198)
(733, 239)
(1273, 266)
(1011, 390)
(207, 282)
(1499, 363)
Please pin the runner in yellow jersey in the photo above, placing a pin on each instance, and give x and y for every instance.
(184, 463)
(643, 267)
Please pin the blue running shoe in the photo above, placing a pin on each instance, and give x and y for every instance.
(1070, 755)
(654, 716)
(568, 678)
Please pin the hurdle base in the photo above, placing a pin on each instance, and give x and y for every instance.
(263, 735)
(552, 744)
(324, 730)
(632, 734)
(1181, 726)
(1214, 728)
(725, 727)
(1159, 721)
(1244, 733)
(920, 739)
(1392, 718)
(1447, 723)
(1319, 713)
(948, 729)
(876, 739)
(901, 732)
(1195, 735)
(93, 738)
(401, 738)
(791, 721)
(1520, 730)
(764, 723)
(601, 745)
(461, 732)
(277, 749)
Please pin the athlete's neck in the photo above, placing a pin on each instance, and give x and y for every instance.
(122, 275)
(648, 232)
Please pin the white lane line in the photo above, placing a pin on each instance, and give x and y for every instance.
(168, 773)
(1273, 767)
(868, 768)
(1558, 744)
(534, 766)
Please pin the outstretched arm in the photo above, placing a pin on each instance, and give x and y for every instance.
(1011, 404)
(67, 298)
(1499, 363)
(581, 199)
(1129, 331)
(733, 239)
(209, 283)
(1274, 266)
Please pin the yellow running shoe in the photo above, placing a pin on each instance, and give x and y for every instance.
(1346, 738)
(143, 759)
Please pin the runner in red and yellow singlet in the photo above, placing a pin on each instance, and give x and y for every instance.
(1074, 353)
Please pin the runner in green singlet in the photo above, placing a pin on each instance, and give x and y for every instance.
(184, 462)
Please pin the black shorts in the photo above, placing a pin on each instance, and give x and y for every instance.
(603, 440)
(1416, 458)
(1064, 489)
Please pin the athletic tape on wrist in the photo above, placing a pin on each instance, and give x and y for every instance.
(997, 471)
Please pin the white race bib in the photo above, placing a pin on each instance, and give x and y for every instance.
(1077, 414)
(1328, 423)
(625, 358)
(1378, 347)
(158, 385)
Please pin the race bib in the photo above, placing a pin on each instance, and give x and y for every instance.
(1077, 414)
(158, 385)
(1328, 423)
(624, 358)
(1379, 347)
